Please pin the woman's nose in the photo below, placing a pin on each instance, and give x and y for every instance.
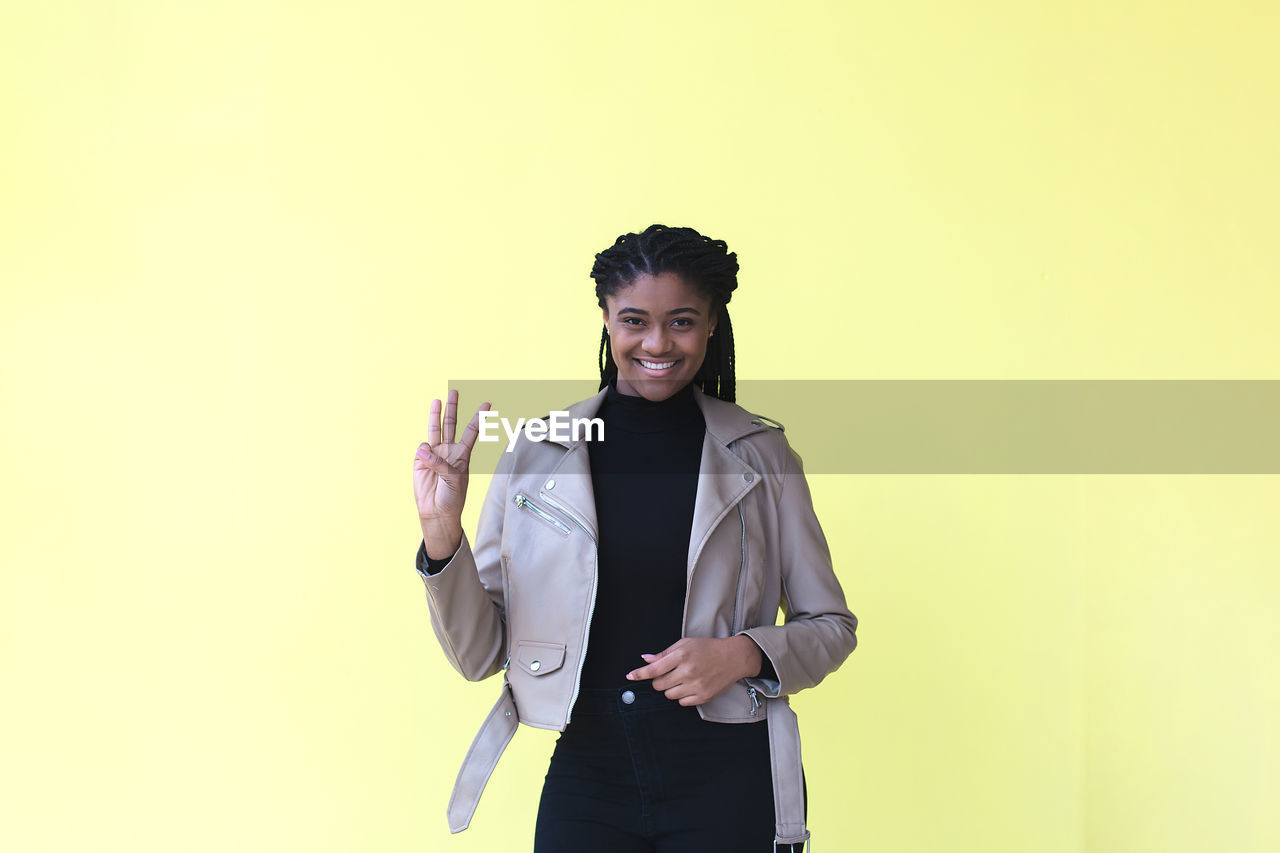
(656, 341)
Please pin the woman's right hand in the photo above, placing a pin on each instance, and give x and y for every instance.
(440, 469)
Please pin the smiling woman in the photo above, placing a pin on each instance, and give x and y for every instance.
(628, 587)
(663, 293)
(659, 326)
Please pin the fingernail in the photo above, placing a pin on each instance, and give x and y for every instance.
(646, 657)
(631, 676)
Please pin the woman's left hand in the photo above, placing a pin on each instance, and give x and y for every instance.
(694, 670)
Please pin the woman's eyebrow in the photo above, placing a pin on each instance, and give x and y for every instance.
(645, 313)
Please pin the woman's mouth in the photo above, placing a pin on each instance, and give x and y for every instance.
(657, 368)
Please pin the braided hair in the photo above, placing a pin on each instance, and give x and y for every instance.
(706, 264)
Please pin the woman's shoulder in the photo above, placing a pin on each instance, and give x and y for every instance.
(759, 438)
(730, 419)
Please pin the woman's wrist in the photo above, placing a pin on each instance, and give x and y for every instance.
(442, 537)
(752, 656)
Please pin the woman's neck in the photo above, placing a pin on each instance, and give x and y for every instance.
(641, 414)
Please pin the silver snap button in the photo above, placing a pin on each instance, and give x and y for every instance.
(535, 665)
(748, 477)
(551, 484)
(508, 713)
(628, 697)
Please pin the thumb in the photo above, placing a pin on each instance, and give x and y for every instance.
(434, 462)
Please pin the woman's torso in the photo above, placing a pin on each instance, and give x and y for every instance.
(644, 476)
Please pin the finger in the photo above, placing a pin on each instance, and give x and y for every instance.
(433, 424)
(451, 417)
(654, 658)
(674, 652)
(437, 463)
(652, 670)
(659, 668)
(671, 681)
(690, 700)
(473, 428)
(678, 691)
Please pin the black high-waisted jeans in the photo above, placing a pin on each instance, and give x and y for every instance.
(652, 776)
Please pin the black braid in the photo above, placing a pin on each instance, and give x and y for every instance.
(706, 264)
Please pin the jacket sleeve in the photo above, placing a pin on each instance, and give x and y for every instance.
(465, 597)
(429, 565)
(819, 630)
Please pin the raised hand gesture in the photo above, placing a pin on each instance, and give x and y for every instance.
(440, 472)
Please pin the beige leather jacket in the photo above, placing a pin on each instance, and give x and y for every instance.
(520, 599)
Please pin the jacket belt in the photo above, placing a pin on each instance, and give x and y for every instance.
(486, 748)
(500, 725)
(788, 773)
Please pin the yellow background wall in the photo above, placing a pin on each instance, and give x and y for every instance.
(242, 245)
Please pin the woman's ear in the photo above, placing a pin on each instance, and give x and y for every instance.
(604, 312)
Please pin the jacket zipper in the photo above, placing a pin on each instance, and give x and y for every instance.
(524, 503)
(742, 565)
(591, 611)
(737, 601)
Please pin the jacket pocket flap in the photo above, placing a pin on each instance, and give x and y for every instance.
(539, 658)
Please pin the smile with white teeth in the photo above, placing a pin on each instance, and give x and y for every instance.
(656, 365)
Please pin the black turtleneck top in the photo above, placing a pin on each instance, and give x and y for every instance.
(645, 477)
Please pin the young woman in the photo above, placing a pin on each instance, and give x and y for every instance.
(628, 586)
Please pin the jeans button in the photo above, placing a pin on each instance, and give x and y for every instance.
(628, 697)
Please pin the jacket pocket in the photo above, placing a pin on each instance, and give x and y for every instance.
(539, 658)
(522, 501)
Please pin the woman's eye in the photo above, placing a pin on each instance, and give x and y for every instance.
(683, 321)
(632, 321)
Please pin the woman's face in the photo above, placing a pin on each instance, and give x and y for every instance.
(658, 330)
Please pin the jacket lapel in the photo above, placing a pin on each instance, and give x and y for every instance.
(572, 475)
(723, 478)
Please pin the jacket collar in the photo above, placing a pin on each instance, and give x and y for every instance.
(723, 477)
